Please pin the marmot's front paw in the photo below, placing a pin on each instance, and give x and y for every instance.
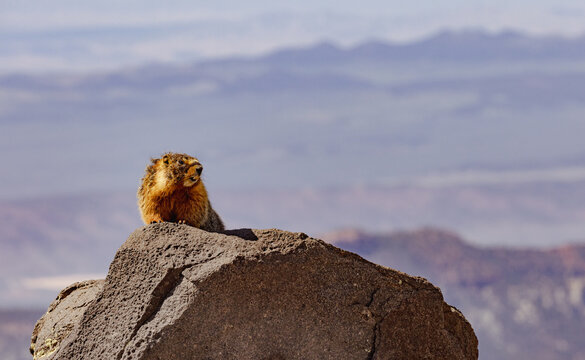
(156, 221)
(182, 222)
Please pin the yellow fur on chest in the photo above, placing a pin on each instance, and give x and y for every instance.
(178, 203)
(160, 183)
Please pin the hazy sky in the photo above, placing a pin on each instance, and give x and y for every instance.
(82, 35)
(564, 16)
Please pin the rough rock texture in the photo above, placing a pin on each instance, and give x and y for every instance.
(177, 292)
(62, 316)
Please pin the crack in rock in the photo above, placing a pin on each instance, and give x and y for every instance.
(160, 293)
(374, 339)
(372, 351)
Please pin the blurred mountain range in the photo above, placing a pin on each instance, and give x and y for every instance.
(374, 114)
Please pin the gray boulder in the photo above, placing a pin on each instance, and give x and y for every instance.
(177, 292)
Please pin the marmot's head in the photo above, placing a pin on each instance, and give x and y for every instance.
(178, 169)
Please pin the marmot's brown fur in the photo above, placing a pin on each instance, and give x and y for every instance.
(172, 190)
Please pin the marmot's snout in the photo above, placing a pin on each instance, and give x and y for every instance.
(193, 175)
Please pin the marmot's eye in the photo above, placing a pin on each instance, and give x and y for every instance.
(166, 160)
(181, 162)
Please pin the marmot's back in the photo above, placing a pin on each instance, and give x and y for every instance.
(172, 190)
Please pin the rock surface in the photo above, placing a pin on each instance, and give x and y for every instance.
(62, 316)
(177, 292)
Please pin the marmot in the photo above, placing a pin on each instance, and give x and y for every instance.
(172, 190)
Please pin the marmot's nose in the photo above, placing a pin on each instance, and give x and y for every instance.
(199, 170)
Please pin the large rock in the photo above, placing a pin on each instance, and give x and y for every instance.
(177, 292)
